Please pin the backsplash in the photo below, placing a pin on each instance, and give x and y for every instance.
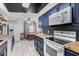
(67, 27)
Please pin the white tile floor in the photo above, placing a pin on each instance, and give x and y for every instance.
(24, 48)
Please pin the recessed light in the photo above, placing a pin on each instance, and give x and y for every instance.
(26, 5)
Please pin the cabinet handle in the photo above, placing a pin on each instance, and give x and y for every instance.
(62, 17)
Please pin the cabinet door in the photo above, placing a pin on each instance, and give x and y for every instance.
(40, 51)
(41, 43)
(43, 20)
(40, 24)
(63, 5)
(3, 49)
(46, 19)
(70, 53)
(74, 20)
(77, 13)
(9, 42)
(53, 10)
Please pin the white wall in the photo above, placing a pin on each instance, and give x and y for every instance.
(31, 28)
(37, 28)
(17, 23)
(18, 28)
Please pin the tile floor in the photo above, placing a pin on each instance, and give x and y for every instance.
(24, 48)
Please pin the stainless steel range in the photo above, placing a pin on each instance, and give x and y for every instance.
(55, 46)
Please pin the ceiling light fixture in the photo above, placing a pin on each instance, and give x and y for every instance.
(26, 5)
(29, 21)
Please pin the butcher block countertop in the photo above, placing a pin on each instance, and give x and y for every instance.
(43, 35)
(4, 38)
(73, 46)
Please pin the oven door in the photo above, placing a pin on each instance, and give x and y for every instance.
(52, 49)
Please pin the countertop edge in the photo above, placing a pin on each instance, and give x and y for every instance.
(7, 38)
(44, 35)
(68, 46)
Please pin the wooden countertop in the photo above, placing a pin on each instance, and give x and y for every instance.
(73, 46)
(44, 35)
(4, 38)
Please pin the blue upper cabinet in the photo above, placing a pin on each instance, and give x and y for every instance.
(40, 23)
(43, 21)
(58, 7)
(61, 6)
(75, 15)
(53, 10)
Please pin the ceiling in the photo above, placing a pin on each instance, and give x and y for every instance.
(17, 7)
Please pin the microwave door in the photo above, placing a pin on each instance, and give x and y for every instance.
(67, 15)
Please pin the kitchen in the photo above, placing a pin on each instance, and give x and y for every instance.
(39, 29)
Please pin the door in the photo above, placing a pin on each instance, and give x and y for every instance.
(49, 48)
(26, 29)
(50, 51)
(35, 28)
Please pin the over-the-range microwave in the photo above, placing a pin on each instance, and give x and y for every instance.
(63, 16)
